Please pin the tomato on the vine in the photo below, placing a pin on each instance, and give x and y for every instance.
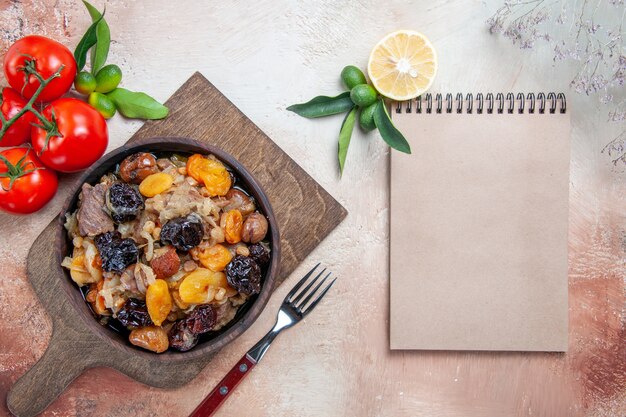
(25, 184)
(80, 139)
(19, 132)
(45, 56)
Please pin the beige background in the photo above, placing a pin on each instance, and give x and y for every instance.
(337, 363)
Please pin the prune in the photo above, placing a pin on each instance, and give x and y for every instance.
(259, 253)
(124, 202)
(244, 274)
(181, 338)
(134, 314)
(137, 167)
(183, 233)
(201, 320)
(116, 253)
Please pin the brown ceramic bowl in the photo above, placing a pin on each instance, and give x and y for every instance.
(246, 314)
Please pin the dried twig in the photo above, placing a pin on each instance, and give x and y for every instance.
(596, 42)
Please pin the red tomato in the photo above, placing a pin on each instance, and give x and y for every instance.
(82, 136)
(33, 184)
(48, 56)
(19, 132)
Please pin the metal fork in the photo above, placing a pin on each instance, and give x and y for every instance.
(295, 307)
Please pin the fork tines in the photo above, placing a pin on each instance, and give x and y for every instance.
(298, 303)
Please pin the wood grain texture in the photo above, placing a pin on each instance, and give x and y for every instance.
(78, 342)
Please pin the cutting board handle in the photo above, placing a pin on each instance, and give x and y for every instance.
(48, 378)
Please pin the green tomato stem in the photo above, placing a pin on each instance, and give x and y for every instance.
(45, 123)
(15, 171)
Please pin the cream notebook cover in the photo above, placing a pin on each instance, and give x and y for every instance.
(478, 224)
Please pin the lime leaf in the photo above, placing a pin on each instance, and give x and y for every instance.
(345, 134)
(103, 35)
(388, 131)
(136, 105)
(88, 40)
(323, 106)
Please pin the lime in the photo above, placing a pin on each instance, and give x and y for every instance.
(366, 118)
(108, 78)
(352, 76)
(85, 83)
(103, 104)
(363, 95)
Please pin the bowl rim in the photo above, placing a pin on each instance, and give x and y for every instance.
(236, 328)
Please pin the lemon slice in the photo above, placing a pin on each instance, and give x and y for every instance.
(402, 65)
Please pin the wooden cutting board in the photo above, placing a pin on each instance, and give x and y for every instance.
(305, 212)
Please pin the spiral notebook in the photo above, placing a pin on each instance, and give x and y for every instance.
(479, 223)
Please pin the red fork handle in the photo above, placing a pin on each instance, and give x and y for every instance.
(219, 394)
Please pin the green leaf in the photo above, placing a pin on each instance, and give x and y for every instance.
(323, 106)
(388, 131)
(89, 39)
(136, 105)
(103, 35)
(345, 134)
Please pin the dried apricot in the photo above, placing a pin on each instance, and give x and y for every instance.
(179, 301)
(212, 173)
(99, 307)
(215, 258)
(158, 301)
(201, 285)
(232, 223)
(152, 338)
(155, 184)
(91, 294)
(79, 272)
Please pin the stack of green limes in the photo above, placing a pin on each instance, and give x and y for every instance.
(105, 81)
(362, 94)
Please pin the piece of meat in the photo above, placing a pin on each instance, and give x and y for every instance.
(92, 216)
(144, 217)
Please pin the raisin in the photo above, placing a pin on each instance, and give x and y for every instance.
(259, 253)
(124, 202)
(244, 274)
(181, 338)
(183, 233)
(137, 166)
(201, 320)
(134, 314)
(116, 253)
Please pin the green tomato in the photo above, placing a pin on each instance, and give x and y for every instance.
(103, 104)
(366, 117)
(352, 76)
(363, 95)
(108, 78)
(85, 82)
